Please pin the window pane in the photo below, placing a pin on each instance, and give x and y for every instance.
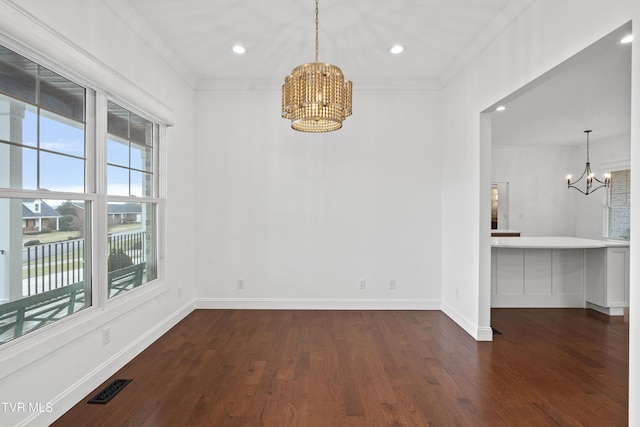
(136, 183)
(61, 135)
(117, 120)
(141, 130)
(17, 121)
(17, 75)
(130, 146)
(620, 189)
(619, 222)
(45, 274)
(18, 167)
(61, 95)
(117, 181)
(141, 157)
(132, 259)
(141, 184)
(61, 173)
(27, 125)
(117, 151)
(29, 169)
(619, 205)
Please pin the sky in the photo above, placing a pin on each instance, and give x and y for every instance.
(65, 171)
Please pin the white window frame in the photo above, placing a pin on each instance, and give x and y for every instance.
(95, 184)
(159, 185)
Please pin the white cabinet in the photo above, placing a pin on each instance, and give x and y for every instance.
(607, 280)
(544, 277)
(560, 272)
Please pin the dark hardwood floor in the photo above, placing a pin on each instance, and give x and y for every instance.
(548, 367)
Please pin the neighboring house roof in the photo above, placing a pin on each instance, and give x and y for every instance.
(46, 211)
(125, 208)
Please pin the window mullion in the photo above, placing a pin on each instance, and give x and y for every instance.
(100, 210)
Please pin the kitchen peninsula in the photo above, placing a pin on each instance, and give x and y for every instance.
(560, 272)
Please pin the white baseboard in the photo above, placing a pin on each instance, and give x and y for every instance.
(479, 333)
(317, 304)
(78, 391)
(609, 311)
(537, 301)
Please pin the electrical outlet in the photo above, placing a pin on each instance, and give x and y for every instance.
(106, 335)
(392, 284)
(457, 294)
(179, 292)
(240, 283)
(363, 284)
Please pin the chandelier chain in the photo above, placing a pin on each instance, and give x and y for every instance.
(587, 132)
(317, 21)
(315, 96)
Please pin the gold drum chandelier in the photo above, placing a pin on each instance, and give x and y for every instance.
(315, 96)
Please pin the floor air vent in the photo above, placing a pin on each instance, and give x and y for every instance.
(109, 391)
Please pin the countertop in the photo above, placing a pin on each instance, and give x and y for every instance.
(556, 242)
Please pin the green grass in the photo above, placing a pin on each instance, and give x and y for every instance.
(62, 236)
(54, 236)
(75, 265)
(118, 228)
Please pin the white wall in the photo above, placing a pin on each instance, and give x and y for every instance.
(63, 363)
(546, 34)
(302, 217)
(539, 202)
(401, 192)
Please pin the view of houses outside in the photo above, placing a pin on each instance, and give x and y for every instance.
(53, 240)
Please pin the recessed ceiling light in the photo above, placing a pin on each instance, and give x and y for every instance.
(501, 108)
(627, 39)
(238, 48)
(396, 49)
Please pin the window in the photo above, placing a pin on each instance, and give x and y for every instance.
(50, 191)
(618, 205)
(130, 154)
(133, 204)
(44, 274)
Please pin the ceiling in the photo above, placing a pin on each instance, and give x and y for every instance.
(440, 36)
(590, 90)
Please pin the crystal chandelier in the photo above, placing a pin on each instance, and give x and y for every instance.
(590, 176)
(315, 96)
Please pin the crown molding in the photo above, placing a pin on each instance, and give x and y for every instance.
(151, 38)
(616, 165)
(29, 36)
(512, 10)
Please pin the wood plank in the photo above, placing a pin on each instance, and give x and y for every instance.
(370, 368)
